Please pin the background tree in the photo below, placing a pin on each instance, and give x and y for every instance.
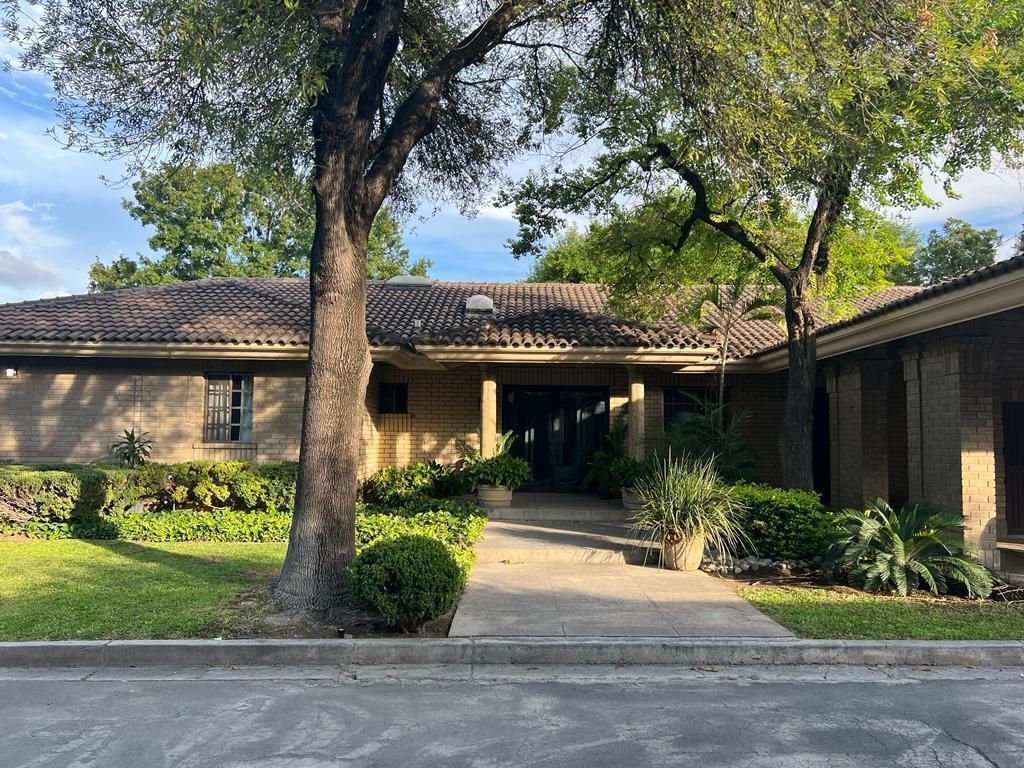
(214, 221)
(376, 99)
(786, 129)
(959, 248)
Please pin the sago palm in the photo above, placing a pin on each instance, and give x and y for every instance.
(883, 548)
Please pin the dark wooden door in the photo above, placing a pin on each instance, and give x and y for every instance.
(1013, 461)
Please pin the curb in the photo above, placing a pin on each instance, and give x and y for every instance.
(533, 651)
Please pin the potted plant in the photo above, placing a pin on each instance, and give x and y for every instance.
(684, 508)
(497, 476)
(625, 473)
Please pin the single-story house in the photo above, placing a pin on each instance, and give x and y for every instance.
(921, 391)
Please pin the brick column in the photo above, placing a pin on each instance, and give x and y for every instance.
(951, 433)
(636, 434)
(857, 430)
(488, 410)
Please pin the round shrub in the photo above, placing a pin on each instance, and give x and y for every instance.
(409, 580)
(785, 524)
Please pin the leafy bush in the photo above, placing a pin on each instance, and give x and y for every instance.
(785, 525)
(395, 485)
(132, 450)
(683, 499)
(713, 431)
(56, 493)
(883, 549)
(504, 470)
(409, 580)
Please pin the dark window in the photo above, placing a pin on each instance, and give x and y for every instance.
(679, 400)
(229, 408)
(394, 398)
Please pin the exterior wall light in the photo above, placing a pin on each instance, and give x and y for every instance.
(11, 371)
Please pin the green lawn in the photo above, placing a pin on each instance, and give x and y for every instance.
(62, 590)
(815, 612)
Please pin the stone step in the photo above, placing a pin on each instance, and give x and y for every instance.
(538, 541)
(556, 514)
(567, 507)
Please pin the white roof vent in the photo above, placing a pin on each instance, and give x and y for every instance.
(480, 304)
(409, 281)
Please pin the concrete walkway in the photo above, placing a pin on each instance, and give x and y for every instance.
(566, 579)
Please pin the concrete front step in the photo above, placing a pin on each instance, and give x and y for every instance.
(567, 507)
(538, 541)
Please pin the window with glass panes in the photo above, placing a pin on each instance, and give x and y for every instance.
(393, 398)
(677, 400)
(229, 408)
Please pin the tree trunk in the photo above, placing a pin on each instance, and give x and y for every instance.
(322, 542)
(796, 438)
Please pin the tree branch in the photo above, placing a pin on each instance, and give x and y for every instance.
(417, 115)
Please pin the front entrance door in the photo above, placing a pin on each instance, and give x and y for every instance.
(556, 429)
(1013, 462)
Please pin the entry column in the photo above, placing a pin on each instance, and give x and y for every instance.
(635, 438)
(488, 411)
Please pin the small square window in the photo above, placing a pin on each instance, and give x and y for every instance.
(229, 408)
(394, 398)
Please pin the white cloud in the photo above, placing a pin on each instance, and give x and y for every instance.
(26, 228)
(4, 136)
(22, 273)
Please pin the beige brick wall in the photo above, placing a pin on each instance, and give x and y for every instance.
(72, 410)
(954, 381)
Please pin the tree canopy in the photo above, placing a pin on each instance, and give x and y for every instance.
(785, 128)
(214, 221)
(958, 248)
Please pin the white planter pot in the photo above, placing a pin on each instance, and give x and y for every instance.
(684, 555)
(494, 496)
(629, 500)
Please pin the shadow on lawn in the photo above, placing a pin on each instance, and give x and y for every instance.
(144, 591)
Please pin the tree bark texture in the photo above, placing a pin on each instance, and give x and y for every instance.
(321, 546)
(358, 156)
(796, 437)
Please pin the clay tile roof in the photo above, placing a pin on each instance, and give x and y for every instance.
(275, 312)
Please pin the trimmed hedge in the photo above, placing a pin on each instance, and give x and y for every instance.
(178, 525)
(58, 493)
(785, 524)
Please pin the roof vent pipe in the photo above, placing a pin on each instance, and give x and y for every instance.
(480, 305)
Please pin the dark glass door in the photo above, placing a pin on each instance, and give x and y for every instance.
(556, 430)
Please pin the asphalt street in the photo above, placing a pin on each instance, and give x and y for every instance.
(512, 716)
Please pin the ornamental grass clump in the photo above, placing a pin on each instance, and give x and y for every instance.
(685, 507)
(884, 549)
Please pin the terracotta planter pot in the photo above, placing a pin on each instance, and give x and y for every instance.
(494, 496)
(684, 555)
(629, 500)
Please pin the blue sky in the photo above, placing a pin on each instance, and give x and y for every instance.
(57, 216)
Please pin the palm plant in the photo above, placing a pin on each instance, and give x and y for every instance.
(684, 500)
(901, 550)
(718, 309)
(713, 431)
(132, 450)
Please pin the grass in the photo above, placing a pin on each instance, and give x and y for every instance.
(86, 590)
(823, 612)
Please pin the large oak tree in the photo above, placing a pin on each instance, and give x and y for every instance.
(783, 126)
(372, 98)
